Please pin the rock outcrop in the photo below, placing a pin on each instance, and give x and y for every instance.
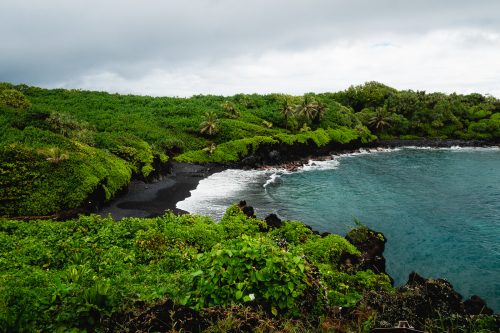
(427, 304)
(371, 244)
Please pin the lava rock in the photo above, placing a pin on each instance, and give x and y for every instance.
(415, 278)
(273, 221)
(476, 306)
(274, 156)
(248, 211)
(420, 302)
(371, 244)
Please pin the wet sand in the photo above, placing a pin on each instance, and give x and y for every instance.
(153, 199)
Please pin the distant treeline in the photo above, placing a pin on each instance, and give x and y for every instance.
(58, 147)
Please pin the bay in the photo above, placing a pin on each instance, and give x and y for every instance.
(439, 208)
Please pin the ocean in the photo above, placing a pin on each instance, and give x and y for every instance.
(439, 208)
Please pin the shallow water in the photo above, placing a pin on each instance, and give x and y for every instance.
(439, 208)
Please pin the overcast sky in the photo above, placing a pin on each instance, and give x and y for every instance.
(186, 47)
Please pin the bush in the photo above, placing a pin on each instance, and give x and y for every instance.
(328, 250)
(345, 289)
(249, 269)
(294, 232)
(14, 99)
(234, 223)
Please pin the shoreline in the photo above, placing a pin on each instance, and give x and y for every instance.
(153, 199)
(143, 199)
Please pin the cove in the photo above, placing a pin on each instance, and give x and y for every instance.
(439, 208)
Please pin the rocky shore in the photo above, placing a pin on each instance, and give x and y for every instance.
(153, 198)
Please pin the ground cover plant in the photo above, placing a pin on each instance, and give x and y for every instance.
(57, 276)
(187, 273)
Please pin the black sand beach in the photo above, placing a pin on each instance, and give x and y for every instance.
(153, 199)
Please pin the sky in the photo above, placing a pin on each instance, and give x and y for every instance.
(225, 47)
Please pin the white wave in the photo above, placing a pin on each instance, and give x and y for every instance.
(365, 151)
(215, 193)
(272, 179)
(317, 165)
(454, 148)
(465, 149)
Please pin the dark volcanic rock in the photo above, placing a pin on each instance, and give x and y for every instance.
(424, 303)
(371, 244)
(248, 211)
(476, 306)
(273, 221)
(274, 156)
(162, 317)
(415, 278)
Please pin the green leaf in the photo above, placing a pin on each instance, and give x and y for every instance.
(274, 311)
(259, 275)
(301, 267)
(198, 272)
(239, 294)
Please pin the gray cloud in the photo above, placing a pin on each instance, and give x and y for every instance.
(226, 46)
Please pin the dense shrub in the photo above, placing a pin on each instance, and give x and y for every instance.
(328, 250)
(249, 269)
(293, 232)
(14, 98)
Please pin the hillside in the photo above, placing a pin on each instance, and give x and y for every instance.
(62, 150)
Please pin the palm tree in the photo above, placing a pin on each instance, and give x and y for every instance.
(231, 110)
(320, 112)
(305, 128)
(287, 109)
(210, 149)
(210, 124)
(308, 108)
(381, 119)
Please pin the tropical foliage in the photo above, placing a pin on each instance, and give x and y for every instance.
(99, 141)
(210, 124)
(76, 274)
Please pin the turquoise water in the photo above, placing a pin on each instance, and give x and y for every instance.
(439, 208)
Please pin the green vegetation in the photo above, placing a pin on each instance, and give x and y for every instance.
(59, 148)
(75, 274)
(421, 114)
